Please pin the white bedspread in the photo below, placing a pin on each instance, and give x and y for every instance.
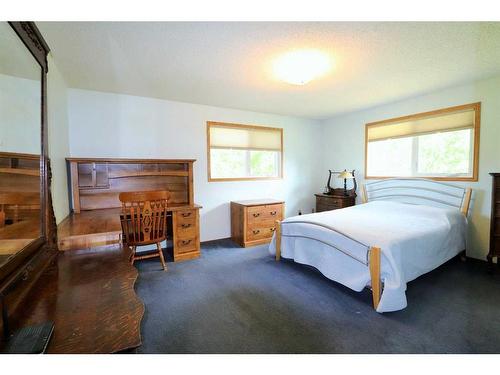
(414, 240)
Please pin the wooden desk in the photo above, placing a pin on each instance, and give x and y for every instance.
(96, 184)
(102, 227)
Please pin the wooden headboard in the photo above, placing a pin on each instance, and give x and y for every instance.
(419, 191)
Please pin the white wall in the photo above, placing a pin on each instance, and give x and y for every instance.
(343, 144)
(19, 114)
(112, 125)
(57, 117)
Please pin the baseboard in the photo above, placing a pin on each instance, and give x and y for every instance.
(217, 239)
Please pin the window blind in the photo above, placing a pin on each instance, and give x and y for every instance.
(432, 124)
(248, 138)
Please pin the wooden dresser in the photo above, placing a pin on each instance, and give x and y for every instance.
(325, 202)
(495, 220)
(253, 221)
(95, 185)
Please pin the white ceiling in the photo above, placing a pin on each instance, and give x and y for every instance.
(228, 64)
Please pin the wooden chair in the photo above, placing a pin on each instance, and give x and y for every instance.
(144, 221)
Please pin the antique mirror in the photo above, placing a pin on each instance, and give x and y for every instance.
(25, 232)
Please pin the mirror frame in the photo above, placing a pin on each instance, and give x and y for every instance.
(20, 272)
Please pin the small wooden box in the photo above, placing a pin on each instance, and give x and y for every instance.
(325, 202)
(253, 222)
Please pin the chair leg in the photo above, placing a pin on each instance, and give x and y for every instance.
(160, 253)
(132, 255)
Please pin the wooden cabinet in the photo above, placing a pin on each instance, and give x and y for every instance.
(495, 220)
(253, 222)
(92, 175)
(325, 202)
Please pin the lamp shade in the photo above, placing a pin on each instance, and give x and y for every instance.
(346, 175)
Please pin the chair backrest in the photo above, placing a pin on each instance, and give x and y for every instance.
(144, 217)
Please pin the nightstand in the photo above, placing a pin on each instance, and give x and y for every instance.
(325, 202)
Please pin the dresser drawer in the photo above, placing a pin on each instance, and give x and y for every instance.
(264, 213)
(260, 232)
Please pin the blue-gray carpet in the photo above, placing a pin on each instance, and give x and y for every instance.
(235, 300)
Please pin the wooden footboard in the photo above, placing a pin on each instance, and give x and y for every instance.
(373, 264)
(375, 275)
(278, 240)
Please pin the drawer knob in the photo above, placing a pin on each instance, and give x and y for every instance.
(186, 225)
(256, 214)
(272, 229)
(185, 242)
(273, 213)
(256, 231)
(186, 214)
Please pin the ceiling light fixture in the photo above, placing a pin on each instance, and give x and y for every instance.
(301, 66)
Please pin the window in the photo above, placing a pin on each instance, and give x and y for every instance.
(244, 152)
(442, 144)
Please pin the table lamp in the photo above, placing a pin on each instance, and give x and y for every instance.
(346, 176)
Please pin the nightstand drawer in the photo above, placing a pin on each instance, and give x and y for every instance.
(325, 207)
(326, 202)
(332, 202)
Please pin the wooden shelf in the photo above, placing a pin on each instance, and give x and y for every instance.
(26, 172)
(124, 173)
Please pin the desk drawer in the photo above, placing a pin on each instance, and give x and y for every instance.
(186, 217)
(264, 213)
(186, 224)
(186, 245)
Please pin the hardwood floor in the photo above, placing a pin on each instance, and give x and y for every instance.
(89, 295)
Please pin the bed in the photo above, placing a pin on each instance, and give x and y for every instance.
(404, 229)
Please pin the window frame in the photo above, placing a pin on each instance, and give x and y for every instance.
(418, 116)
(242, 126)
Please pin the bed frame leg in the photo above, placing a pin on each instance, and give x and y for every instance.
(375, 275)
(278, 240)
